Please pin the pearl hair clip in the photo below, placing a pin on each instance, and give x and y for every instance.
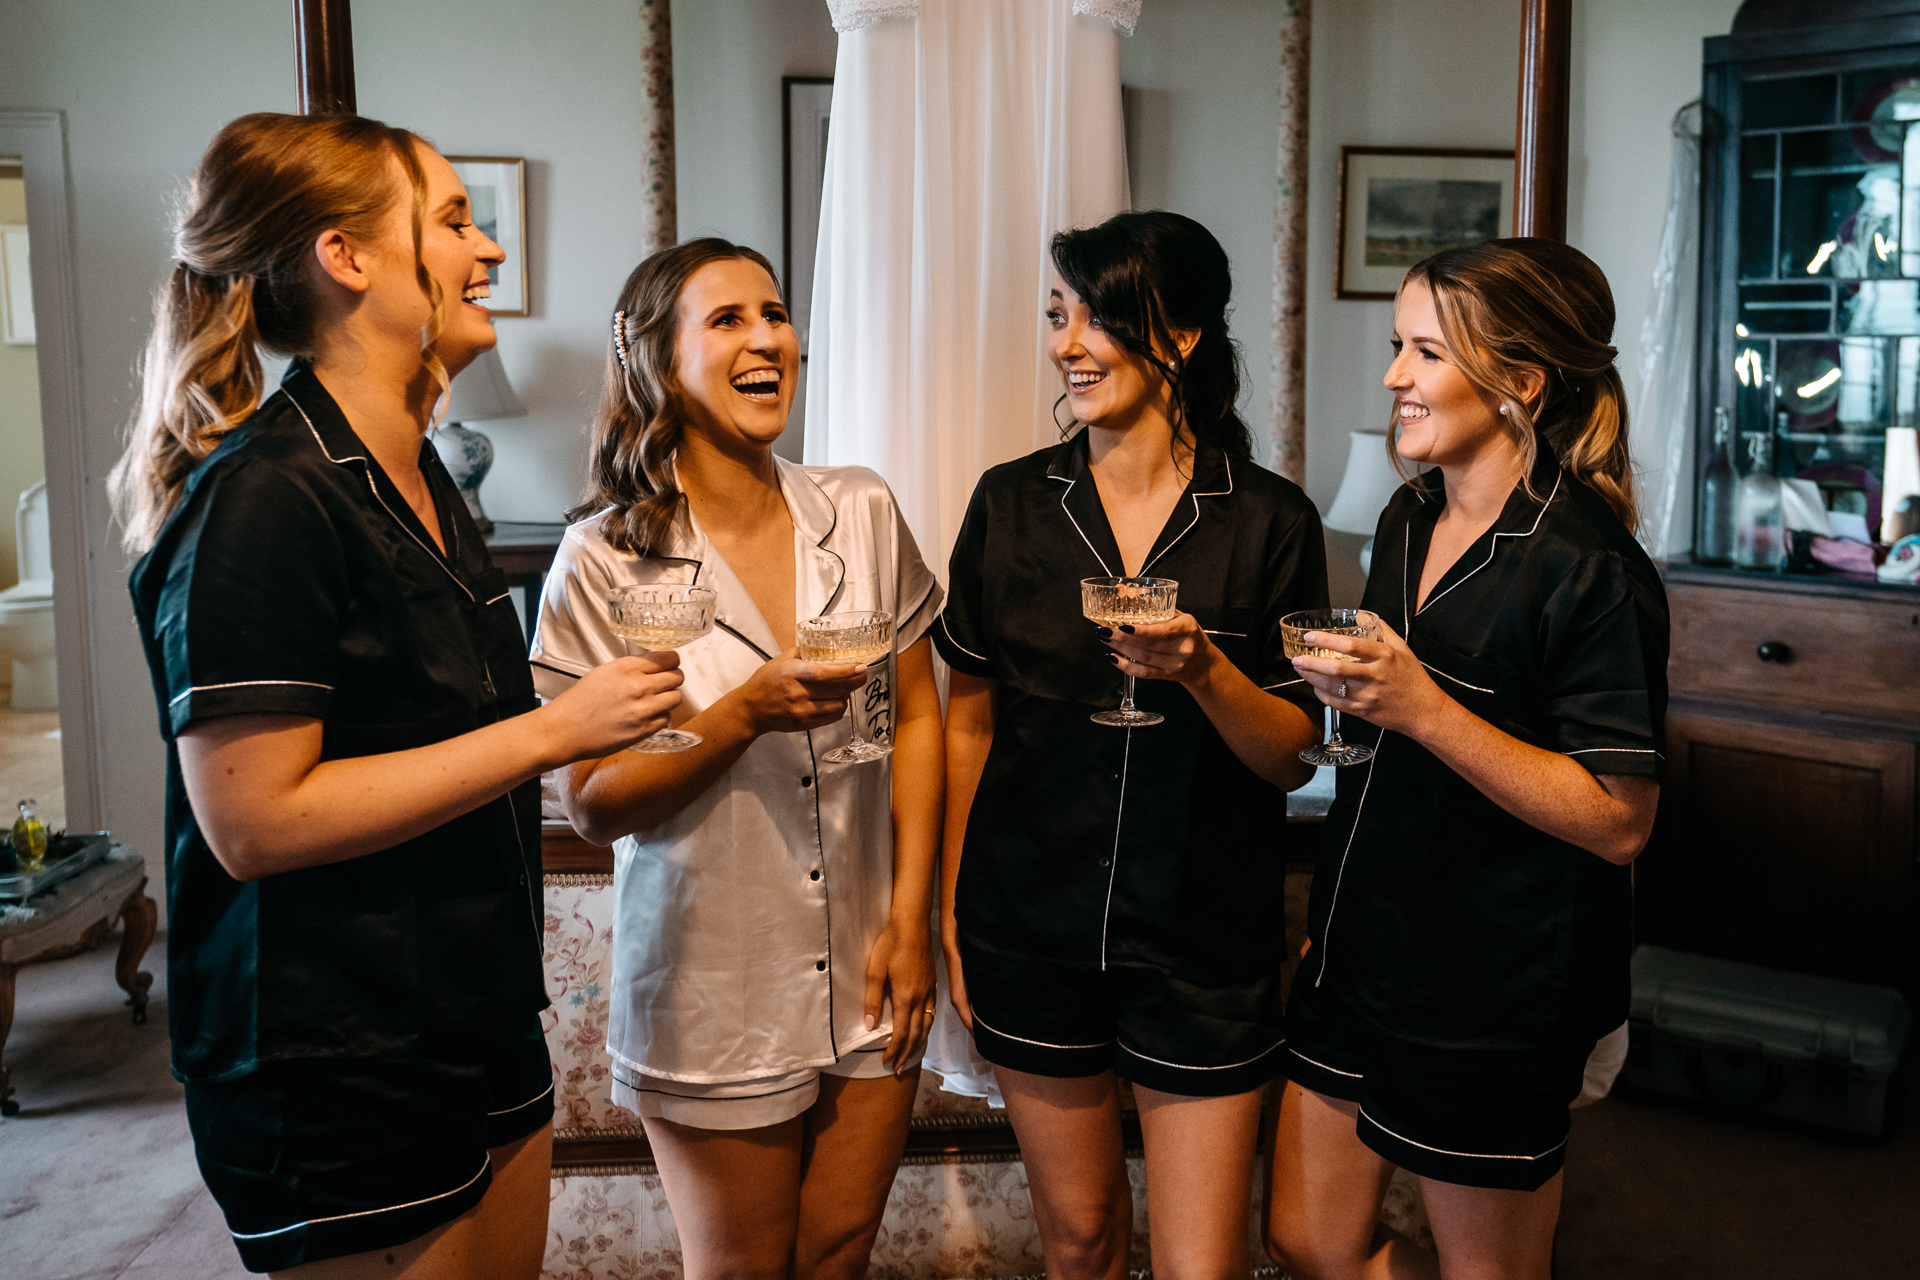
(620, 339)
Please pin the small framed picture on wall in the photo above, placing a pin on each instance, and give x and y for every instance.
(497, 186)
(1399, 205)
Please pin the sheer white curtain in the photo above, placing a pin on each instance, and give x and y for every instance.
(1661, 424)
(964, 134)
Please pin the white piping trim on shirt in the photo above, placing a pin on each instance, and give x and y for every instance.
(529, 1102)
(1042, 1043)
(241, 684)
(1237, 634)
(485, 1161)
(956, 644)
(1217, 493)
(1637, 751)
(1181, 1066)
(1113, 860)
(439, 557)
(1082, 532)
(1333, 904)
(1465, 1155)
(1351, 1075)
(1492, 547)
(1456, 679)
(1268, 688)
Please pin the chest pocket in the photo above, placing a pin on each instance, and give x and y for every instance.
(1481, 687)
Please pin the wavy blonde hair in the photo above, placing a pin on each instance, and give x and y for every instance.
(640, 423)
(243, 279)
(1510, 306)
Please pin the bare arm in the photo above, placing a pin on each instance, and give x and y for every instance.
(1609, 815)
(267, 803)
(900, 965)
(970, 720)
(1266, 733)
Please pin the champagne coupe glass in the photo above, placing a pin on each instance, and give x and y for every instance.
(1125, 602)
(662, 617)
(1337, 622)
(851, 637)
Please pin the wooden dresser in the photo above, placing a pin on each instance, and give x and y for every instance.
(1787, 832)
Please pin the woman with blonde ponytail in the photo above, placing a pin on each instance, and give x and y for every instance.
(353, 741)
(1470, 922)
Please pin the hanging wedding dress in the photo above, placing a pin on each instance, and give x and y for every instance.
(1661, 425)
(964, 134)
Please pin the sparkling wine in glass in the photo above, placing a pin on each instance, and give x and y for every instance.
(1127, 602)
(662, 617)
(1338, 622)
(865, 637)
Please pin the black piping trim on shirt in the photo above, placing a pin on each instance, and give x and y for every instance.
(826, 887)
(374, 489)
(764, 655)
(548, 666)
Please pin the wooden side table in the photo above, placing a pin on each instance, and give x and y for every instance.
(75, 916)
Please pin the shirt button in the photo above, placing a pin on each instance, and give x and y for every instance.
(820, 966)
(1114, 776)
(814, 876)
(1106, 862)
(807, 781)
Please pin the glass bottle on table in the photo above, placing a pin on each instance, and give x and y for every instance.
(1719, 491)
(29, 837)
(1758, 542)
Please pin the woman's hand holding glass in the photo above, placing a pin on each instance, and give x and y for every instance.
(1176, 649)
(789, 695)
(1384, 683)
(613, 706)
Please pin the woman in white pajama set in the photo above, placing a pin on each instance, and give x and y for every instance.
(772, 960)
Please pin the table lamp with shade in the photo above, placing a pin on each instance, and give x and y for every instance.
(1365, 490)
(480, 393)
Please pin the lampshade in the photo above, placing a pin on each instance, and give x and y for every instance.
(1368, 484)
(482, 392)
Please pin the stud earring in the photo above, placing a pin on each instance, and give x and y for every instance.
(1503, 411)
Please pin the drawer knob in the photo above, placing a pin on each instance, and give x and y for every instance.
(1774, 651)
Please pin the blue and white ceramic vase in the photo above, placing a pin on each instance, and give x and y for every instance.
(467, 456)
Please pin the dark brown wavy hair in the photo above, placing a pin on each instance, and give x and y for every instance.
(267, 187)
(1507, 306)
(640, 423)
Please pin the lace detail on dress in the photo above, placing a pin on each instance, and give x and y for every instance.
(852, 15)
(1122, 13)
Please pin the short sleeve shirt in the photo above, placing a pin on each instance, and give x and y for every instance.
(1087, 844)
(1440, 916)
(743, 922)
(293, 579)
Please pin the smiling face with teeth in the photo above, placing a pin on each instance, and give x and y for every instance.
(1107, 385)
(1444, 420)
(736, 356)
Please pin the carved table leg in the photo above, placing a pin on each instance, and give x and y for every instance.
(142, 917)
(8, 1107)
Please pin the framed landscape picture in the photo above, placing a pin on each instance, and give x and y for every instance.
(1399, 205)
(497, 186)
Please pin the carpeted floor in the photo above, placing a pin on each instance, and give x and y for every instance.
(97, 1178)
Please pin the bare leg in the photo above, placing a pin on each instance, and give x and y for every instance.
(1069, 1133)
(141, 917)
(1484, 1234)
(1324, 1192)
(513, 1213)
(1199, 1182)
(448, 1252)
(735, 1195)
(854, 1137)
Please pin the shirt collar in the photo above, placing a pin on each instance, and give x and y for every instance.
(1523, 510)
(1212, 473)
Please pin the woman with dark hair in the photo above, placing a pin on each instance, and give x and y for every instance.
(772, 961)
(353, 749)
(1471, 914)
(1110, 896)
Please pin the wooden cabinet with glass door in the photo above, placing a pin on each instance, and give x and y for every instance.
(1787, 829)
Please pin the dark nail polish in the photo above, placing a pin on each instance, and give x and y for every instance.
(1105, 633)
(1114, 658)
(1126, 628)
